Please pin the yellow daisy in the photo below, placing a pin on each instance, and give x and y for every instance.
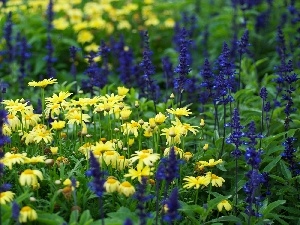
(196, 182)
(29, 177)
(210, 163)
(10, 159)
(180, 111)
(42, 83)
(36, 159)
(6, 197)
(58, 125)
(160, 118)
(145, 156)
(126, 188)
(139, 172)
(131, 128)
(75, 116)
(58, 99)
(111, 184)
(214, 179)
(224, 204)
(27, 214)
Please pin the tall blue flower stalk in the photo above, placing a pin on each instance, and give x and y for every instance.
(8, 36)
(49, 58)
(104, 53)
(142, 198)
(281, 70)
(150, 88)
(167, 172)
(290, 79)
(225, 84)
(168, 74)
(235, 138)
(183, 68)
(289, 156)
(93, 71)
(171, 206)
(97, 184)
(255, 178)
(208, 83)
(264, 95)
(24, 56)
(242, 49)
(73, 51)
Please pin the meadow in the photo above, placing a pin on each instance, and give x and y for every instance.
(149, 112)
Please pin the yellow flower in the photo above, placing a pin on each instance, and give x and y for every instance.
(91, 48)
(13, 121)
(58, 125)
(187, 156)
(6, 130)
(196, 182)
(110, 158)
(68, 182)
(101, 147)
(214, 179)
(178, 151)
(179, 111)
(224, 204)
(75, 15)
(10, 159)
(126, 188)
(139, 172)
(124, 24)
(36, 159)
(39, 133)
(202, 123)
(30, 119)
(122, 91)
(54, 150)
(42, 83)
(27, 214)
(210, 163)
(75, 116)
(84, 36)
(19, 105)
(111, 184)
(205, 147)
(131, 128)
(160, 118)
(125, 113)
(173, 134)
(58, 99)
(185, 127)
(169, 23)
(60, 24)
(29, 177)
(145, 156)
(122, 162)
(6, 197)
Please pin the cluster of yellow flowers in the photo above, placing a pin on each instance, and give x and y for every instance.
(84, 18)
(109, 144)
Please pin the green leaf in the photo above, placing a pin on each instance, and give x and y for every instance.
(285, 171)
(271, 206)
(226, 219)
(86, 218)
(272, 164)
(74, 217)
(122, 214)
(49, 219)
(280, 179)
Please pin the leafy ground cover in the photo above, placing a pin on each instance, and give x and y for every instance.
(149, 112)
